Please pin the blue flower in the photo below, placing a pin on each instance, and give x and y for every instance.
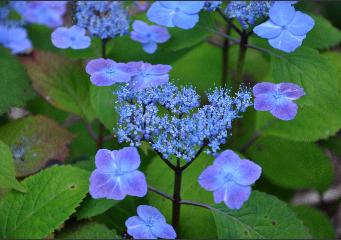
(149, 224)
(116, 175)
(182, 14)
(106, 72)
(212, 5)
(73, 37)
(148, 75)
(104, 19)
(286, 28)
(277, 98)
(149, 36)
(15, 39)
(229, 178)
(49, 13)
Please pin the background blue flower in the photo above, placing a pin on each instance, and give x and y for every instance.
(73, 37)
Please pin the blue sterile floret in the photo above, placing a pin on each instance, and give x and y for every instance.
(170, 119)
(248, 12)
(104, 19)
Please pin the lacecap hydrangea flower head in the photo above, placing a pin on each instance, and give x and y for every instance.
(103, 19)
(287, 28)
(149, 224)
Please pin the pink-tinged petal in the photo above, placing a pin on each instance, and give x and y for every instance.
(104, 160)
(191, 7)
(60, 38)
(281, 13)
(285, 110)
(227, 160)
(140, 26)
(159, 69)
(160, 15)
(286, 41)
(185, 21)
(149, 47)
(101, 79)
(128, 159)
(138, 229)
(291, 91)
(267, 30)
(237, 195)
(81, 42)
(146, 212)
(264, 102)
(264, 88)
(105, 186)
(248, 172)
(98, 65)
(164, 231)
(301, 24)
(139, 37)
(134, 184)
(159, 34)
(141, 82)
(211, 178)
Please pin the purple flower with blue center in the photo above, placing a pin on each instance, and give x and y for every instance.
(148, 35)
(181, 14)
(116, 175)
(286, 29)
(73, 37)
(106, 72)
(229, 178)
(15, 39)
(149, 224)
(148, 75)
(277, 98)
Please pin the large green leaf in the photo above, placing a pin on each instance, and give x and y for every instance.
(262, 216)
(93, 207)
(318, 222)
(35, 141)
(88, 230)
(318, 77)
(194, 222)
(292, 164)
(7, 172)
(52, 196)
(62, 82)
(15, 87)
(323, 35)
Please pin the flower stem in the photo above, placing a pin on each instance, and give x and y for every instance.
(176, 199)
(240, 62)
(225, 57)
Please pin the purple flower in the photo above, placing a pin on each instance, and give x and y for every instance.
(149, 36)
(73, 37)
(15, 39)
(106, 72)
(149, 224)
(229, 178)
(116, 175)
(148, 75)
(286, 28)
(182, 14)
(277, 98)
(49, 13)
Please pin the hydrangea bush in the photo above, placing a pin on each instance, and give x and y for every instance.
(169, 119)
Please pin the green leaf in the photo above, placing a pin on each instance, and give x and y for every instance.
(7, 173)
(194, 222)
(262, 216)
(15, 87)
(103, 103)
(317, 222)
(324, 35)
(318, 77)
(93, 207)
(35, 142)
(52, 196)
(88, 230)
(62, 82)
(292, 164)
